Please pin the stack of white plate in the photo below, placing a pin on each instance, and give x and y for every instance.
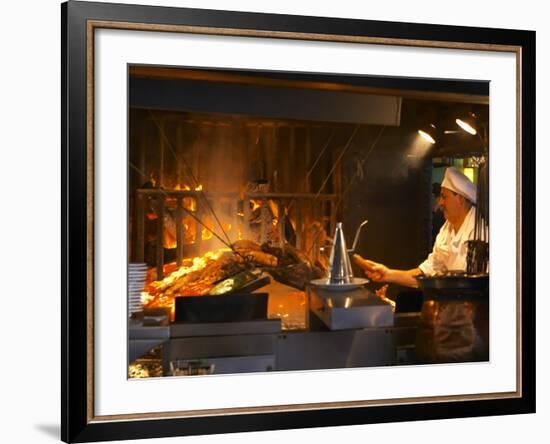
(137, 274)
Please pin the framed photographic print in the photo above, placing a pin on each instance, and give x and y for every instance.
(276, 221)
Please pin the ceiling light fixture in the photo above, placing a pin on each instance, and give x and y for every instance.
(428, 133)
(468, 123)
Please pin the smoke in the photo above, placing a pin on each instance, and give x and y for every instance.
(418, 150)
(410, 158)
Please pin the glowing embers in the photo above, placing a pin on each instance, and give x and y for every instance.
(288, 305)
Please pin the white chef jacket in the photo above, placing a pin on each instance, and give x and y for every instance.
(450, 247)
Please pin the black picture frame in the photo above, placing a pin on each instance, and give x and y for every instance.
(77, 421)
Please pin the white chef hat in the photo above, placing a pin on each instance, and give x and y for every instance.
(455, 181)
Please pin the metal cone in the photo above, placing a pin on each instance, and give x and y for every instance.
(339, 269)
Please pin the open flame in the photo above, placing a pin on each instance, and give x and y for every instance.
(207, 231)
(190, 203)
(190, 226)
(146, 298)
(180, 187)
(255, 204)
(197, 263)
(155, 295)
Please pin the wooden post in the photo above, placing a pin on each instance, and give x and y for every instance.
(143, 143)
(179, 153)
(291, 173)
(162, 134)
(196, 153)
(264, 214)
(281, 223)
(307, 186)
(246, 217)
(298, 209)
(160, 236)
(234, 208)
(179, 231)
(198, 226)
(315, 240)
(273, 160)
(337, 173)
(140, 228)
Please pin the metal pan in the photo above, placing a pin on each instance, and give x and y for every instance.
(454, 286)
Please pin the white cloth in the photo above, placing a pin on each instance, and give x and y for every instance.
(450, 247)
(455, 181)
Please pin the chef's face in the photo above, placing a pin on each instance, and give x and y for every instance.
(451, 203)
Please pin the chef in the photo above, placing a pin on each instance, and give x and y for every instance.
(457, 199)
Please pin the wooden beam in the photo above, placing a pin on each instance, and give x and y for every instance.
(281, 223)
(307, 185)
(139, 254)
(160, 237)
(246, 217)
(162, 135)
(298, 208)
(315, 239)
(198, 226)
(264, 218)
(227, 77)
(179, 231)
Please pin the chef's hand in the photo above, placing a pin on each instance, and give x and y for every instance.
(374, 271)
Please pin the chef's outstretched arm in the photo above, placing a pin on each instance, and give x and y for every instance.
(380, 273)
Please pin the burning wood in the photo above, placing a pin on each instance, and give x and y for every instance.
(196, 277)
(251, 252)
(202, 275)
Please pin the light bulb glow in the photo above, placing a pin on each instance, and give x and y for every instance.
(466, 127)
(426, 136)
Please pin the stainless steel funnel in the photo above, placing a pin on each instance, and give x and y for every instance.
(339, 269)
(339, 276)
